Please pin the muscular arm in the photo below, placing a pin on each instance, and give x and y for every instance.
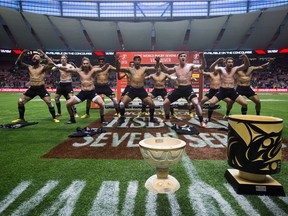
(118, 66)
(19, 62)
(121, 76)
(164, 68)
(100, 69)
(246, 63)
(214, 64)
(203, 61)
(261, 67)
(111, 68)
(70, 70)
(148, 77)
(204, 72)
(50, 63)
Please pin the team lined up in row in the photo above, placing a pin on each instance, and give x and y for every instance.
(94, 82)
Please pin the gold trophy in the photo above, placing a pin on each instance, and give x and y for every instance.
(254, 150)
(162, 152)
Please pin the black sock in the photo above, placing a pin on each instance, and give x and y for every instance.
(210, 112)
(52, 111)
(72, 118)
(172, 110)
(58, 105)
(200, 118)
(244, 110)
(151, 111)
(21, 110)
(88, 110)
(143, 109)
(122, 111)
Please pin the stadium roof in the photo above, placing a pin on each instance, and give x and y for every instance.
(144, 25)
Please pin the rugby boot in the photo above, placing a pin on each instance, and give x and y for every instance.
(85, 116)
(70, 122)
(174, 116)
(18, 120)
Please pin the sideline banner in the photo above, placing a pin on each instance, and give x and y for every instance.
(168, 58)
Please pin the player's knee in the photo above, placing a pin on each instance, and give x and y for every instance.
(21, 102)
(50, 104)
(101, 104)
(166, 102)
(57, 100)
(121, 105)
(114, 101)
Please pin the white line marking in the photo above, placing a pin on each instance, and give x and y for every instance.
(174, 205)
(284, 199)
(190, 169)
(16, 192)
(129, 204)
(67, 199)
(201, 194)
(107, 199)
(151, 204)
(243, 202)
(25, 207)
(272, 207)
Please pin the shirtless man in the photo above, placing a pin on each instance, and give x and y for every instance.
(215, 84)
(159, 81)
(102, 86)
(86, 74)
(37, 83)
(128, 77)
(183, 72)
(243, 78)
(137, 79)
(65, 87)
(228, 82)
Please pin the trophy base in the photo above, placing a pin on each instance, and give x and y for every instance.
(243, 186)
(162, 186)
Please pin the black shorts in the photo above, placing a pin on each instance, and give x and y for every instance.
(34, 91)
(103, 89)
(245, 91)
(86, 95)
(64, 88)
(137, 92)
(159, 92)
(211, 93)
(126, 90)
(182, 92)
(227, 92)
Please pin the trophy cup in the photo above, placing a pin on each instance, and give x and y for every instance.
(162, 152)
(254, 150)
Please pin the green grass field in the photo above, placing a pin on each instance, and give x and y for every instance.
(31, 185)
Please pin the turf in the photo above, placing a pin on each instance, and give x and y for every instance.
(21, 150)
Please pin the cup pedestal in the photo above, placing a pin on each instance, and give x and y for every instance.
(253, 187)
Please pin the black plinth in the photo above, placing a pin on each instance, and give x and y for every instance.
(242, 186)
